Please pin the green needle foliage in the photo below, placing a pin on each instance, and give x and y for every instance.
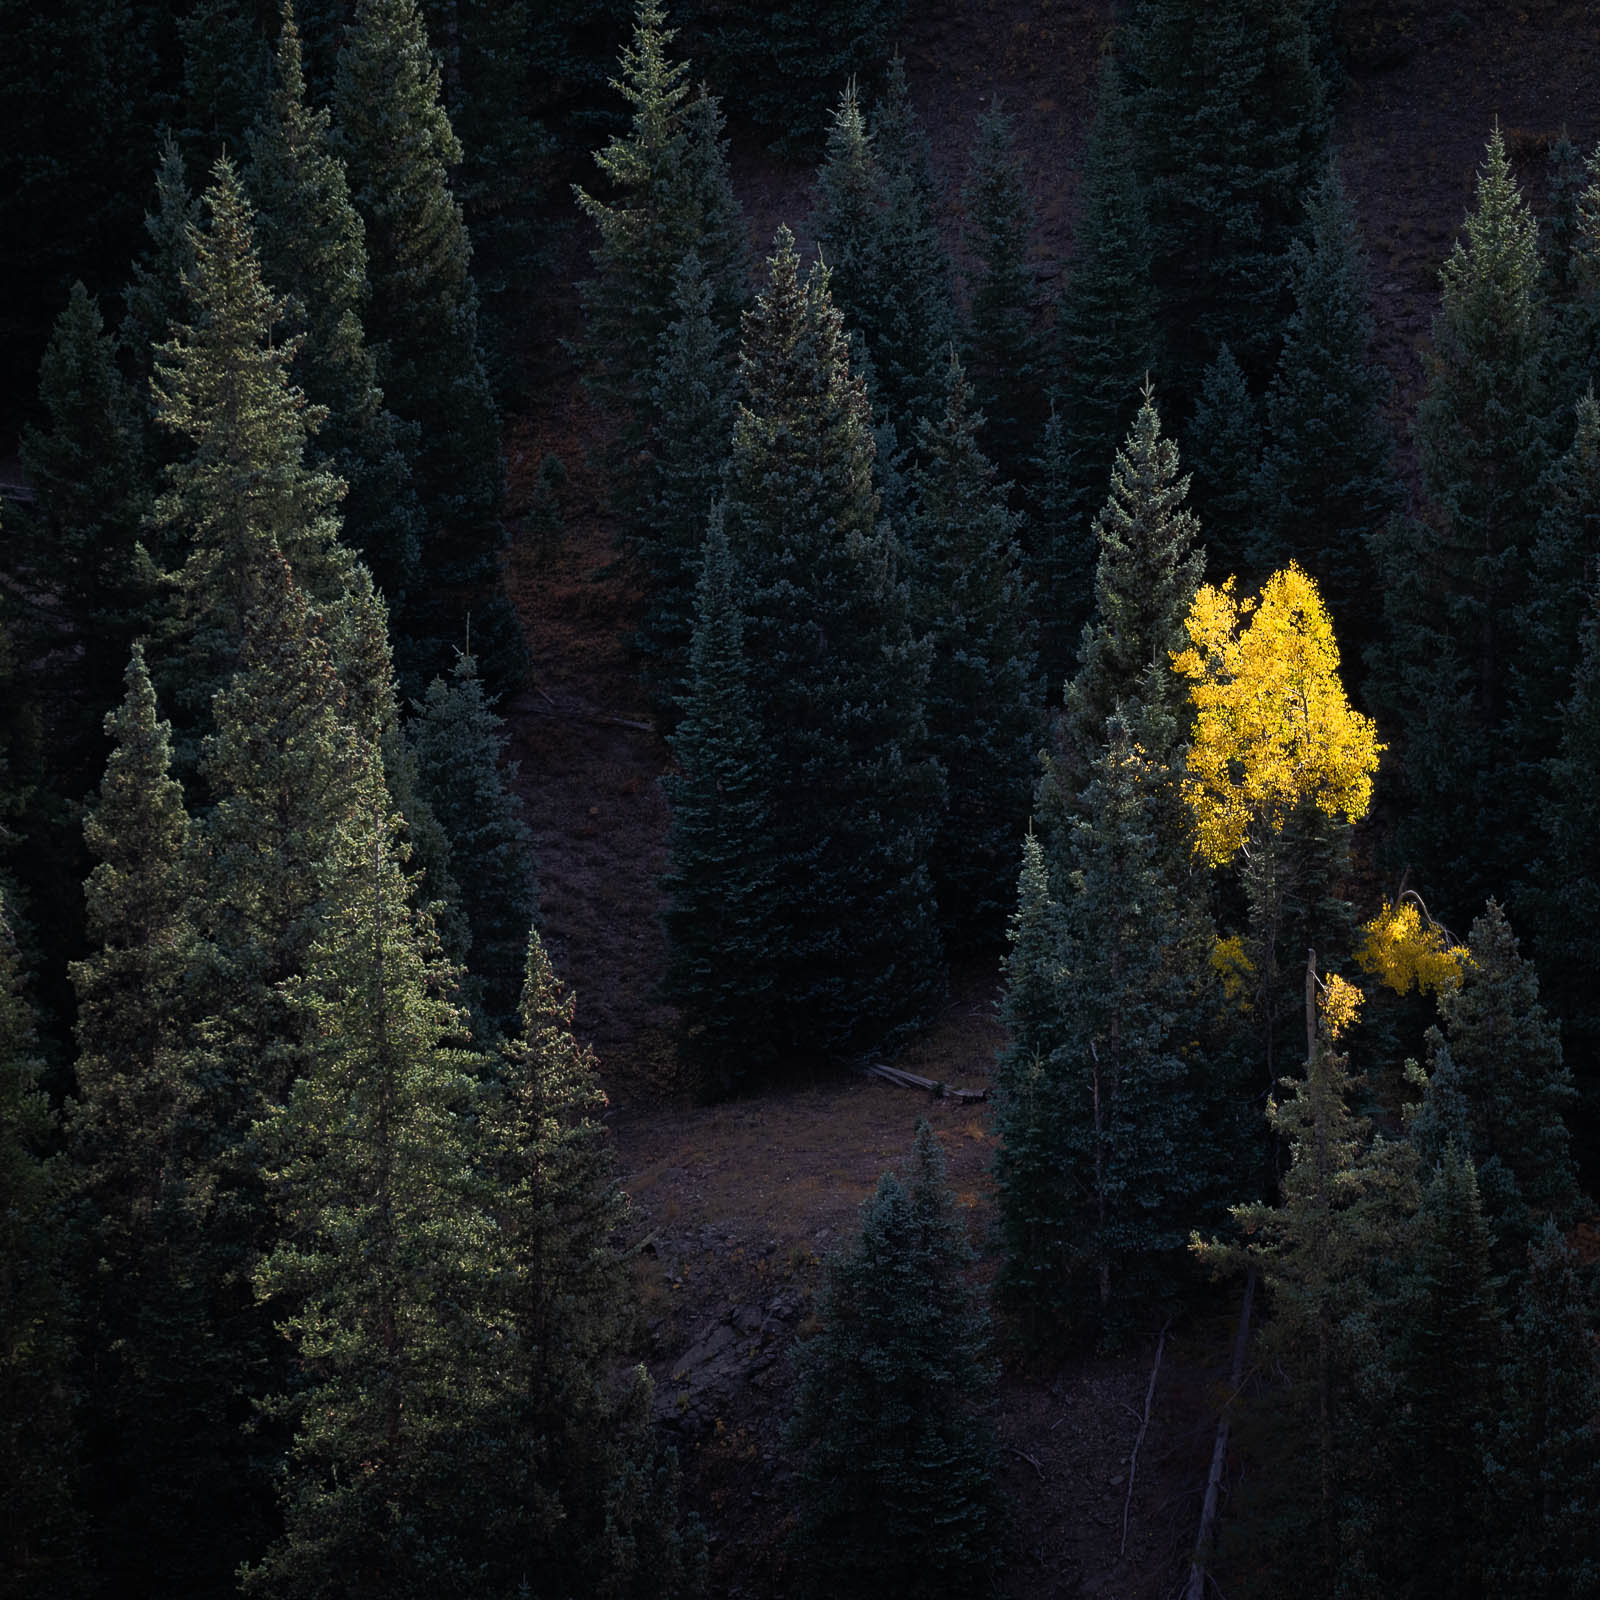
(398, 147)
(836, 683)
(1327, 480)
(692, 402)
(1003, 347)
(41, 1540)
(459, 743)
(313, 252)
(719, 881)
(1223, 445)
(896, 1487)
(377, 1275)
(587, 1501)
(984, 726)
(1144, 584)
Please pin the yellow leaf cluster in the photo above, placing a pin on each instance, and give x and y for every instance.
(1400, 949)
(1339, 1003)
(1272, 725)
(1235, 968)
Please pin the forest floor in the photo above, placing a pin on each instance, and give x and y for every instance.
(740, 1201)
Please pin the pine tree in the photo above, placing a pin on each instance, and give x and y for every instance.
(79, 543)
(422, 322)
(1223, 448)
(1507, 1052)
(672, 192)
(1231, 123)
(1003, 346)
(313, 252)
(1452, 583)
(1145, 580)
(1106, 343)
(1544, 1453)
(844, 218)
(719, 881)
(41, 1542)
(968, 600)
(580, 1454)
(378, 1277)
(1327, 480)
(896, 1487)
(836, 685)
(463, 775)
(692, 402)
(1061, 555)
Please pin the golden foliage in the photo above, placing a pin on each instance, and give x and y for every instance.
(1339, 1003)
(1400, 949)
(1272, 725)
(1235, 968)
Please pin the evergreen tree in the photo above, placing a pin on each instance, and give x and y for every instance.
(422, 321)
(378, 1277)
(79, 545)
(1453, 582)
(313, 252)
(896, 1487)
(1002, 341)
(836, 685)
(244, 494)
(968, 600)
(1327, 480)
(1120, 1162)
(1231, 124)
(719, 881)
(1544, 1454)
(41, 1542)
(1223, 450)
(1507, 1052)
(227, 73)
(1145, 580)
(844, 218)
(462, 773)
(1061, 554)
(581, 1458)
(670, 177)
(692, 402)
(1106, 339)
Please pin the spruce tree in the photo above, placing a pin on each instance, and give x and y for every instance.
(1061, 552)
(836, 685)
(79, 543)
(719, 879)
(1223, 449)
(41, 1541)
(969, 602)
(1544, 1450)
(1106, 342)
(459, 742)
(243, 495)
(1145, 580)
(1506, 1050)
(580, 1458)
(1231, 125)
(692, 402)
(1004, 352)
(1327, 480)
(896, 1492)
(378, 1277)
(844, 218)
(397, 145)
(313, 252)
(672, 196)
(1114, 1163)
(1452, 582)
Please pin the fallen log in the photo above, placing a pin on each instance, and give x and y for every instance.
(911, 1080)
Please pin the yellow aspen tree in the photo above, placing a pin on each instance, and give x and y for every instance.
(1276, 744)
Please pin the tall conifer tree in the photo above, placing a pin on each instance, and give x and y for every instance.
(422, 320)
(836, 684)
